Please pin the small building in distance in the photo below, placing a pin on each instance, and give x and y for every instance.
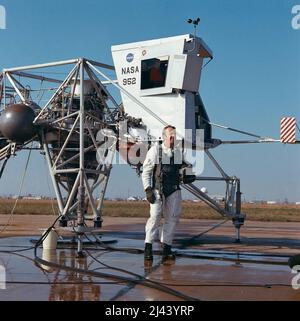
(132, 199)
(271, 202)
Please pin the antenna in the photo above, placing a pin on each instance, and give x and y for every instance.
(195, 23)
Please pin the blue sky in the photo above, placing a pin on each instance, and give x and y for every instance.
(253, 81)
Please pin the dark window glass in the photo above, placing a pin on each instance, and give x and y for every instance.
(154, 72)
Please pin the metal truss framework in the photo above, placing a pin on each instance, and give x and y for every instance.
(72, 169)
(232, 198)
(68, 136)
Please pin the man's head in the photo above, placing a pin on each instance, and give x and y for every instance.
(169, 136)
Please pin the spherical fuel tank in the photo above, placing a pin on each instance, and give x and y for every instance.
(16, 123)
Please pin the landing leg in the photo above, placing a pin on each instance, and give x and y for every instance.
(237, 235)
(238, 221)
(80, 253)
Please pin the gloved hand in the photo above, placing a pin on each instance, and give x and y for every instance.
(188, 179)
(150, 195)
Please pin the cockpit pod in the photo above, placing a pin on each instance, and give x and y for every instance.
(164, 76)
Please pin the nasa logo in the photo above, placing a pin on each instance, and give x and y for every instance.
(130, 57)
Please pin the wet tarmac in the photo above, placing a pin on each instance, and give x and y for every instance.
(212, 267)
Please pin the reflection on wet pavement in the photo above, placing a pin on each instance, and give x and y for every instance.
(202, 272)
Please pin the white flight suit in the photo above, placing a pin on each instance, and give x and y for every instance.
(168, 207)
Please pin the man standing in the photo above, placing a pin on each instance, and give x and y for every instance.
(161, 180)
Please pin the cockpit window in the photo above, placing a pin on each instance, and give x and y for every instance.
(154, 72)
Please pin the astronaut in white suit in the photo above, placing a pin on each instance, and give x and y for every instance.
(161, 181)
